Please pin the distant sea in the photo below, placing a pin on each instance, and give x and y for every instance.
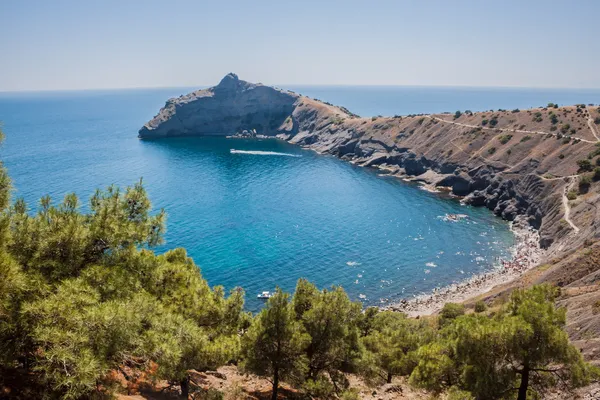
(267, 213)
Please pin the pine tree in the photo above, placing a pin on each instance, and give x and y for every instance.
(331, 320)
(520, 351)
(274, 345)
(393, 342)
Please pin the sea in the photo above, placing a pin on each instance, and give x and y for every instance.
(260, 214)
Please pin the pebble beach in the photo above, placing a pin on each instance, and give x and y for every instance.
(526, 254)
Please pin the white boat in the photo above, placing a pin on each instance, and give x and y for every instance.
(265, 295)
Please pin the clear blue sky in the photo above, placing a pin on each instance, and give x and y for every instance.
(50, 45)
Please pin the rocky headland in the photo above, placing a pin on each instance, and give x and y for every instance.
(531, 166)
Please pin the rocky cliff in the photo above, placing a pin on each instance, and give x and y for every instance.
(518, 163)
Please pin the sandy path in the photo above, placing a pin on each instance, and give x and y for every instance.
(509, 130)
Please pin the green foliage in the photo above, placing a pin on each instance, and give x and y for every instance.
(584, 183)
(521, 350)
(504, 138)
(451, 311)
(491, 150)
(392, 345)
(319, 388)
(537, 117)
(274, 345)
(436, 369)
(493, 122)
(81, 294)
(457, 114)
(572, 195)
(584, 165)
(525, 138)
(350, 394)
(480, 306)
(331, 320)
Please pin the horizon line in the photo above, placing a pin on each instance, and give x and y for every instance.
(283, 86)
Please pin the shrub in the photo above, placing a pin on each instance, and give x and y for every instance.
(480, 306)
(350, 394)
(597, 120)
(537, 117)
(584, 165)
(596, 175)
(553, 119)
(484, 122)
(584, 184)
(450, 312)
(491, 150)
(561, 156)
(525, 138)
(596, 307)
(337, 120)
(457, 114)
(504, 138)
(516, 110)
(572, 195)
(565, 128)
(493, 121)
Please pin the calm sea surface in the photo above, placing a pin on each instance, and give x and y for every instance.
(269, 213)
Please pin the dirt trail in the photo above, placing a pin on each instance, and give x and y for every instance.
(592, 125)
(565, 200)
(511, 130)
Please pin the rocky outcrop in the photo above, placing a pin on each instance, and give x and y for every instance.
(234, 106)
(507, 161)
(231, 106)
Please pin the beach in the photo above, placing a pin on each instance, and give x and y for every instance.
(526, 255)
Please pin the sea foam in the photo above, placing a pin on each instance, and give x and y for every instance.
(262, 153)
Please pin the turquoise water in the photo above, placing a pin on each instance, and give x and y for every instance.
(253, 218)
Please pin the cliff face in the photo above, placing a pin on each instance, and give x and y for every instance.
(517, 163)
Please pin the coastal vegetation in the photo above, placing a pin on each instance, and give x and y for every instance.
(84, 298)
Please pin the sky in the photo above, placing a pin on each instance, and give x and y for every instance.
(71, 45)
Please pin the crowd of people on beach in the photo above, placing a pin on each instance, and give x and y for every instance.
(526, 254)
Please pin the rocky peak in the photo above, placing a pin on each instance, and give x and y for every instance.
(229, 83)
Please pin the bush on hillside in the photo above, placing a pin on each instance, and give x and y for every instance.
(584, 165)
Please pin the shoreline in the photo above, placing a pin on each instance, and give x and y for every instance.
(526, 255)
